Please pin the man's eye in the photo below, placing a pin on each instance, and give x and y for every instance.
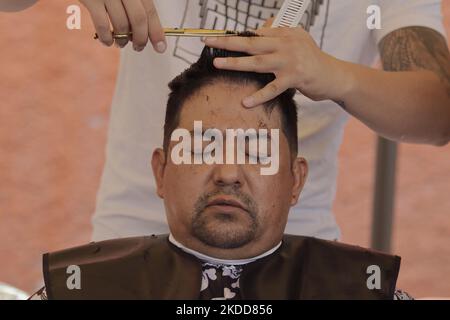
(209, 152)
(254, 157)
(196, 152)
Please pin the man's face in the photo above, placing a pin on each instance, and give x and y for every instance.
(229, 211)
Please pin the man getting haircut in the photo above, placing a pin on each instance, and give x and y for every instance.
(226, 221)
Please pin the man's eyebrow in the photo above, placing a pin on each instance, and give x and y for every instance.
(269, 136)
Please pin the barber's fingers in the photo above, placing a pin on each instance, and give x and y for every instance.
(258, 63)
(119, 20)
(155, 30)
(269, 92)
(138, 22)
(250, 45)
(280, 32)
(100, 18)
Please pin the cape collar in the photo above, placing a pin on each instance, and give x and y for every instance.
(209, 259)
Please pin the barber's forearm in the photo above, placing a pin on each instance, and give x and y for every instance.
(409, 107)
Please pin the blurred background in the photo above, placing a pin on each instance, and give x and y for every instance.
(56, 87)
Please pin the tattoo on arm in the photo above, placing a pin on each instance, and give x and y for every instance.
(416, 48)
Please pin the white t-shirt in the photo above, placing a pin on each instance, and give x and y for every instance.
(127, 204)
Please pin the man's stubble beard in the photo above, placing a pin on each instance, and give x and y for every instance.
(224, 238)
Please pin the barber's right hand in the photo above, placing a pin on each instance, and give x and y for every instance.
(138, 16)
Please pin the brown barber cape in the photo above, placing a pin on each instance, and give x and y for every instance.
(153, 268)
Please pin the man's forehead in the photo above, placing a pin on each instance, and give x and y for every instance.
(219, 105)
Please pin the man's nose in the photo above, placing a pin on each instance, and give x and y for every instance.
(228, 175)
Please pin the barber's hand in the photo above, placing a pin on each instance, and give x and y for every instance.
(138, 16)
(292, 55)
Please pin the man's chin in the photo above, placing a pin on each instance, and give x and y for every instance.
(225, 241)
(223, 234)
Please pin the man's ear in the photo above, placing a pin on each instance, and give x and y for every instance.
(158, 167)
(300, 173)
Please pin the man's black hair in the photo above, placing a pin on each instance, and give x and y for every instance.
(203, 73)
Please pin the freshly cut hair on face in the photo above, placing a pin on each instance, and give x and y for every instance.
(203, 73)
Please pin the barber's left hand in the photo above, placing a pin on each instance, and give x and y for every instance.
(292, 55)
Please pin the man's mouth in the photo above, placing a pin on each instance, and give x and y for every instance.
(226, 204)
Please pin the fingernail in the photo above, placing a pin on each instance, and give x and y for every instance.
(161, 47)
(248, 102)
(119, 44)
(220, 62)
(137, 48)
